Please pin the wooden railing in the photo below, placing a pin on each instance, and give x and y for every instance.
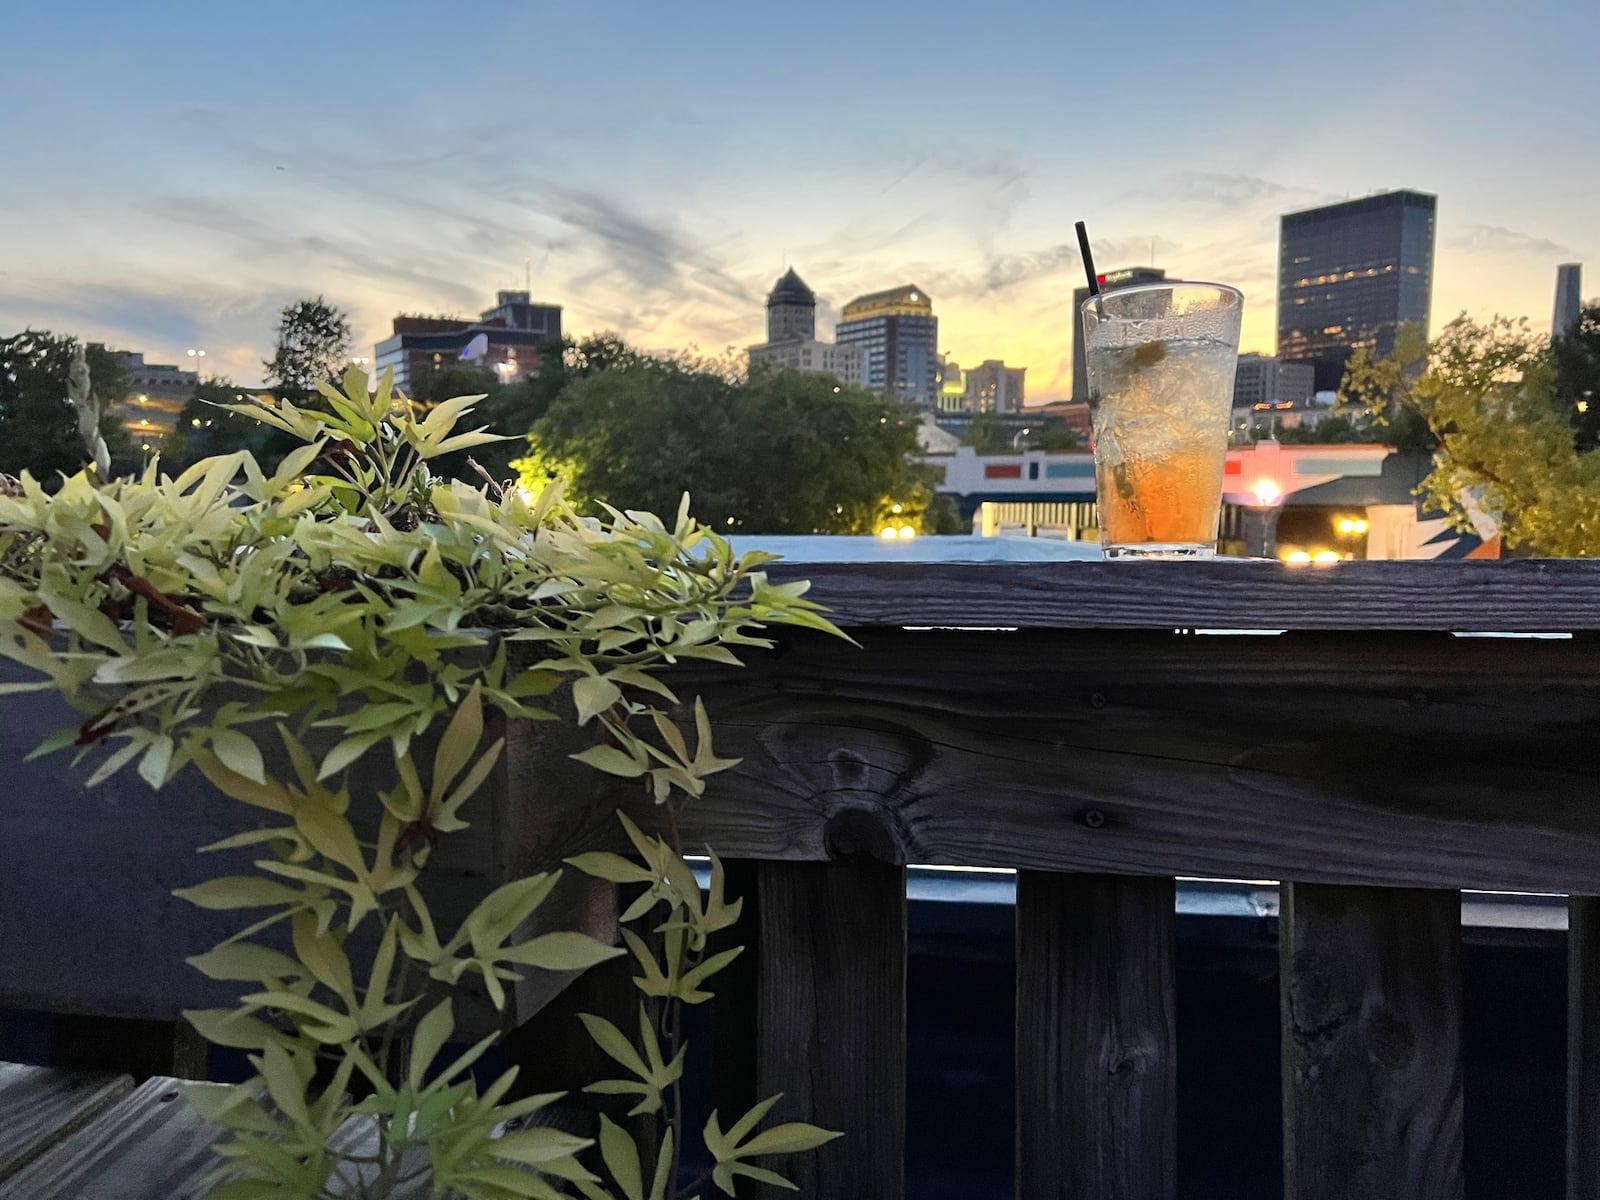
(1066, 720)
(1367, 756)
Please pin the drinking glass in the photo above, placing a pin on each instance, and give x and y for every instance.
(1161, 359)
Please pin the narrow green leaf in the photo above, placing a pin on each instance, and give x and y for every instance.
(593, 696)
(239, 754)
(621, 1158)
(615, 1043)
(787, 1139)
(612, 761)
(432, 1032)
(561, 951)
(459, 743)
(239, 891)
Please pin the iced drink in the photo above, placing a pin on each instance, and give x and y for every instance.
(1161, 360)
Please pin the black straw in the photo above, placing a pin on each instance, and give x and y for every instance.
(1088, 259)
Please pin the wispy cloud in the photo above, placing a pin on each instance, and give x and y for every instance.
(1496, 239)
(1227, 191)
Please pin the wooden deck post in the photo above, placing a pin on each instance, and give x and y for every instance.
(1583, 1048)
(1371, 1020)
(1096, 1038)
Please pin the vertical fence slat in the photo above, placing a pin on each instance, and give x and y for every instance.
(1096, 1038)
(1371, 1021)
(831, 1024)
(1583, 1048)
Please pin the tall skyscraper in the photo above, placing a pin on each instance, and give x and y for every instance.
(899, 338)
(1569, 297)
(1351, 274)
(1109, 281)
(791, 310)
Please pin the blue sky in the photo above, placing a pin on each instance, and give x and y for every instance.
(173, 173)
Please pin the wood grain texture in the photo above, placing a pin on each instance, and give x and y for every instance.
(1537, 595)
(1371, 1019)
(87, 876)
(1096, 1038)
(1583, 1048)
(39, 1106)
(831, 1023)
(149, 1146)
(1392, 759)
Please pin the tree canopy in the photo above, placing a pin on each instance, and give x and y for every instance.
(313, 340)
(38, 428)
(1576, 359)
(783, 452)
(1488, 394)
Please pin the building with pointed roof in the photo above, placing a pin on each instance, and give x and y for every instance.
(791, 309)
(792, 337)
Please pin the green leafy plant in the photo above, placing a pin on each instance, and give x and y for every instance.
(1504, 449)
(338, 646)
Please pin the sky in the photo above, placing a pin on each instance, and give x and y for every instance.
(172, 174)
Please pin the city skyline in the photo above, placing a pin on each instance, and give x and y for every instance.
(183, 171)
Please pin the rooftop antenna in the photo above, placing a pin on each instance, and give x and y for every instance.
(527, 274)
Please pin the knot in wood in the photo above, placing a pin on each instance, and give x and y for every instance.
(1388, 1037)
(1130, 1061)
(861, 833)
(850, 769)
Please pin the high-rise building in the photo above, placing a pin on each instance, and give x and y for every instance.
(792, 337)
(506, 340)
(791, 310)
(1569, 298)
(994, 387)
(1108, 282)
(1271, 394)
(899, 338)
(1262, 379)
(1350, 275)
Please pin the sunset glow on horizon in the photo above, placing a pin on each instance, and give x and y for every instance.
(177, 173)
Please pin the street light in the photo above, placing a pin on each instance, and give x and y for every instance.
(1018, 436)
(193, 353)
(1261, 518)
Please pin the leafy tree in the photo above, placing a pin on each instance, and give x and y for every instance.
(38, 428)
(1577, 383)
(781, 453)
(313, 341)
(512, 408)
(1486, 393)
(1054, 438)
(1333, 430)
(987, 435)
